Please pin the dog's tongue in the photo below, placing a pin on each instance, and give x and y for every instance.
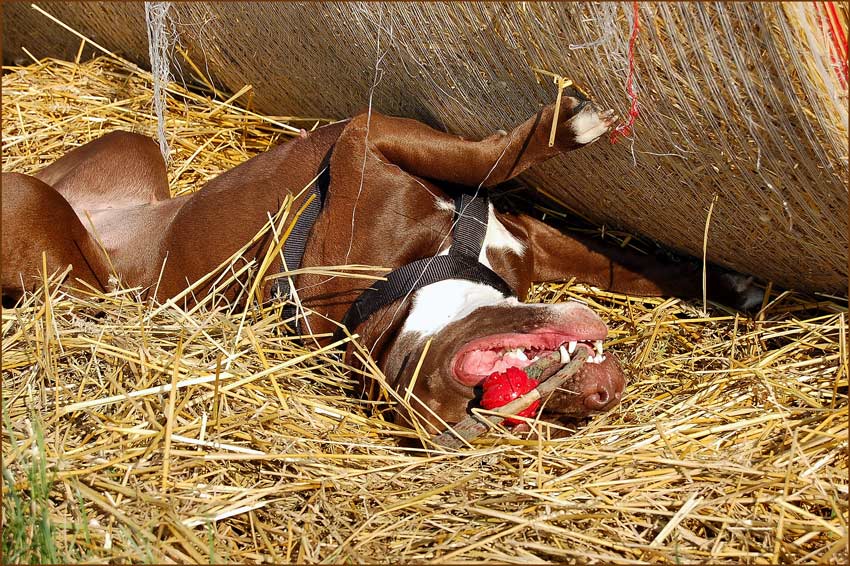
(485, 362)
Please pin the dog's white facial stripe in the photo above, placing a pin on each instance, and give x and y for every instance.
(439, 304)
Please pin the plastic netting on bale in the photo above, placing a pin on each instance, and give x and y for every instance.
(743, 101)
(134, 430)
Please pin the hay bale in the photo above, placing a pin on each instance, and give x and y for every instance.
(742, 101)
(133, 430)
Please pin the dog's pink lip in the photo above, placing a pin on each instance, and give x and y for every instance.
(543, 339)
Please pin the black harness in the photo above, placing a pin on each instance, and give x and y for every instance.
(293, 248)
(471, 214)
(461, 262)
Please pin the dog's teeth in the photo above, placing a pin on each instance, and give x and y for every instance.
(598, 345)
(565, 356)
(573, 347)
(518, 353)
(598, 359)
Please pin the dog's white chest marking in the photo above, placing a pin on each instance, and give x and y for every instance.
(498, 238)
(439, 304)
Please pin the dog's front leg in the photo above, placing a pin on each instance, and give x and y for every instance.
(425, 152)
(558, 256)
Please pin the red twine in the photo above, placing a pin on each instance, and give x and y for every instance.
(625, 128)
(838, 49)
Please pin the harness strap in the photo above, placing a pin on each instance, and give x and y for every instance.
(296, 243)
(293, 248)
(471, 215)
(460, 263)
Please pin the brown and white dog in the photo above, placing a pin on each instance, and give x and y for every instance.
(389, 202)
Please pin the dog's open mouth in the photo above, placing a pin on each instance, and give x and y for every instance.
(496, 353)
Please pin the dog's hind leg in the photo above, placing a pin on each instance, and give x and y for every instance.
(117, 170)
(425, 152)
(558, 256)
(36, 219)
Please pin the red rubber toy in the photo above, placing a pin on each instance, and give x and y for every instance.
(502, 388)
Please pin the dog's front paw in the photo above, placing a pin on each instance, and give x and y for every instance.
(583, 124)
(589, 124)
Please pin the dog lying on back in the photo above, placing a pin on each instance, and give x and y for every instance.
(387, 192)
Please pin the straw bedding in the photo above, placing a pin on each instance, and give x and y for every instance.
(198, 435)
